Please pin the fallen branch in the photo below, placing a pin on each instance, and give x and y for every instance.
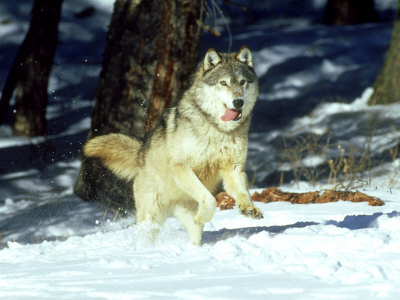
(272, 194)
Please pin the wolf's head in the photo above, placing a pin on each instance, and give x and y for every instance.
(229, 87)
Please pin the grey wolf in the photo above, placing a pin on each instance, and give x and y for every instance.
(200, 141)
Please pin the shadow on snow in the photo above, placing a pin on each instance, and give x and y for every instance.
(349, 222)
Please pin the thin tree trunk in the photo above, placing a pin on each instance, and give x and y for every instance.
(30, 71)
(387, 84)
(152, 48)
(348, 12)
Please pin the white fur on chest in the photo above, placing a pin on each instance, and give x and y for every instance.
(211, 150)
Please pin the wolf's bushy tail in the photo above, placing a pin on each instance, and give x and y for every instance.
(118, 152)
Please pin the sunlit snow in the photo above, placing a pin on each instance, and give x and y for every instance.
(315, 82)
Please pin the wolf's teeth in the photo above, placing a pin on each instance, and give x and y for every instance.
(238, 117)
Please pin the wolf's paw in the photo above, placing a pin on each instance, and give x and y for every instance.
(251, 211)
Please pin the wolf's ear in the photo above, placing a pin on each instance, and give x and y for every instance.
(244, 55)
(211, 59)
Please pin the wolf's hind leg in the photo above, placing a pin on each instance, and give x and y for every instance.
(148, 214)
(186, 217)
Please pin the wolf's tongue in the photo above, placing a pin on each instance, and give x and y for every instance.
(230, 114)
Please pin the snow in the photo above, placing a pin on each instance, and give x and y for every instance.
(355, 257)
(314, 79)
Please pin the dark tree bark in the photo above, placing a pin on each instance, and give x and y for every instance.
(30, 71)
(152, 48)
(387, 84)
(348, 12)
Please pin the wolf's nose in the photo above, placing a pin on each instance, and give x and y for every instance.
(238, 103)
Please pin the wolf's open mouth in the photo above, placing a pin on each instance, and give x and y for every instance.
(232, 114)
(239, 115)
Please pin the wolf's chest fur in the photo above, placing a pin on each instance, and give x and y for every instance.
(213, 153)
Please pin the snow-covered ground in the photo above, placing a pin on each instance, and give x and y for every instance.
(314, 80)
(323, 251)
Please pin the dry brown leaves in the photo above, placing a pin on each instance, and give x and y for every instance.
(272, 194)
(224, 201)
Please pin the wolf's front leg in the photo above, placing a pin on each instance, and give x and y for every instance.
(235, 184)
(187, 219)
(189, 183)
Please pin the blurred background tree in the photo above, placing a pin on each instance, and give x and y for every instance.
(29, 74)
(387, 84)
(348, 12)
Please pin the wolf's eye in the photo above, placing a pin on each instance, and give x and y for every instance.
(242, 82)
(223, 82)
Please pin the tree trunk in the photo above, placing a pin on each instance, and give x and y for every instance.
(152, 48)
(387, 84)
(348, 12)
(30, 71)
